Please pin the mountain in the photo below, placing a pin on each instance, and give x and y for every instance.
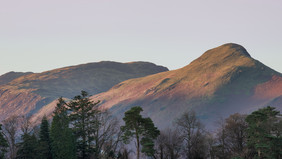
(222, 81)
(8, 77)
(26, 94)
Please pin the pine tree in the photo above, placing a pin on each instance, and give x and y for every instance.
(3, 144)
(62, 139)
(28, 148)
(264, 133)
(44, 140)
(142, 129)
(83, 124)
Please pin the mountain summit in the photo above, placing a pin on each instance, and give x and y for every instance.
(228, 49)
(222, 81)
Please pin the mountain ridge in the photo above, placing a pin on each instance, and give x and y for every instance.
(27, 94)
(10, 76)
(222, 81)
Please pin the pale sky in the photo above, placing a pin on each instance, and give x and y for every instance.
(39, 35)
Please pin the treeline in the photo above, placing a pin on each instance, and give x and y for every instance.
(254, 136)
(80, 130)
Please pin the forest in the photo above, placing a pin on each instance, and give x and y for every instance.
(79, 129)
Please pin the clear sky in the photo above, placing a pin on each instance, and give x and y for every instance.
(39, 35)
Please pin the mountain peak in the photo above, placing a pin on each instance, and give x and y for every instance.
(228, 54)
(222, 81)
(235, 47)
(229, 50)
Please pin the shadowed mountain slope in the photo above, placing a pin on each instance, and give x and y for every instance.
(224, 80)
(29, 93)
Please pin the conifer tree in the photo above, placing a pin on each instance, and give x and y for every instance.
(28, 148)
(62, 139)
(44, 140)
(142, 129)
(82, 116)
(264, 133)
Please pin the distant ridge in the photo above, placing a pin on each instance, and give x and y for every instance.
(8, 77)
(26, 93)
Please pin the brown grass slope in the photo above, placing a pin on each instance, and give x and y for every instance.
(222, 81)
(29, 93)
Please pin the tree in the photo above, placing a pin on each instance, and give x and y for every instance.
(221, 148)
(44, 140)
(231, 137)
(28, 147)
(62, 138)
(142, 129)
(235, 128)
(212, 145)
(83, 111)
(3, 144)
(106, 136)
(25, 125)
(10, 127)
(193, 135)
(264, 133)
(96, 132)
(124, 153)
(169, 144)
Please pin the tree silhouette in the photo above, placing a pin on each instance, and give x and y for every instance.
(44, 140)
(82, 116)
(62, 138)
(142, 129)
(264, 133)
(28, 148)
(193, 135)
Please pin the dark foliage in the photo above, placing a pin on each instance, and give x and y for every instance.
(264, 133)
(3, 144)
(44, 140)
(141, 129)
(28, 147)
(81, 117)
(62, 138)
